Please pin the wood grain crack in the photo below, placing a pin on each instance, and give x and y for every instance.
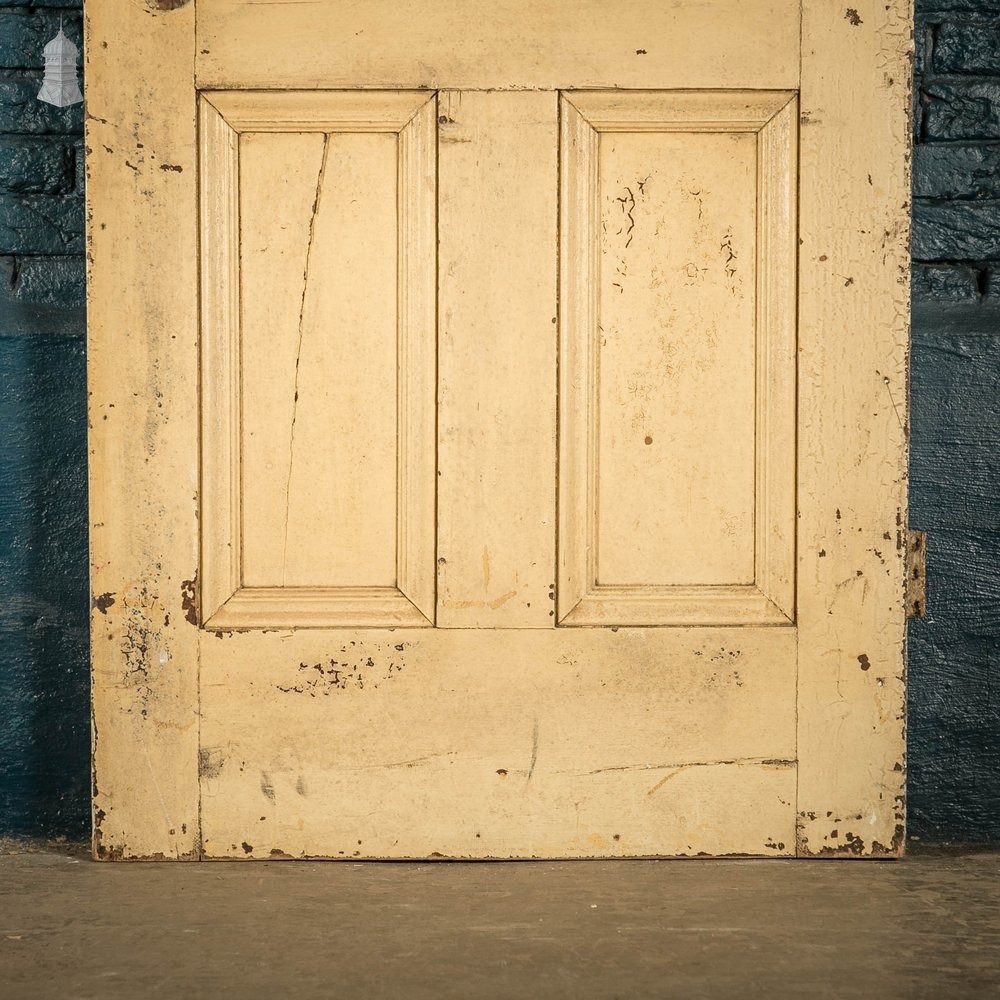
(684, 765)
(298, 349)
(534, 752)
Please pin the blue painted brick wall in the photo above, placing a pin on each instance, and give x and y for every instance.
(44, 685)
(955, 470)
(954, 720)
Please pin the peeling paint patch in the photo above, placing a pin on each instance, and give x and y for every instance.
(138, 641)
(357, 665)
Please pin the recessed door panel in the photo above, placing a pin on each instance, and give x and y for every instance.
(318, 358)
(677, 403)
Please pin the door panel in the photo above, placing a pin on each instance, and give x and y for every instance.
(548, 492)
(677, 403)
(318, 232)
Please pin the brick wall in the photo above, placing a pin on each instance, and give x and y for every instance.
(954, 773)
(44, 686)
(955, 469)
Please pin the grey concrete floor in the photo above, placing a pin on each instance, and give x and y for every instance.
(928, 926)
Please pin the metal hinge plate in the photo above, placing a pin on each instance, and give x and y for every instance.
(916, 574)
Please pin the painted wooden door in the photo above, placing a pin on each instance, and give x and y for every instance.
(498, 426)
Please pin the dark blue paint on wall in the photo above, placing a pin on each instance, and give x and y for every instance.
(954, 704)
(44, 675)
(954, 690)
(954, 654)
(44, 685)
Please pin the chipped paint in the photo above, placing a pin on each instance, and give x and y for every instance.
(189, 599)
(833, 835)
(103, 602)
(356, 665)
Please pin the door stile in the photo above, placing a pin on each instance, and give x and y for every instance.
(142, 319)
(854, 268)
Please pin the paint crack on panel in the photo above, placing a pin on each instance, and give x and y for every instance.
(627, 202)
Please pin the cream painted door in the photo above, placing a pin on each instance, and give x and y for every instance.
(498, 426)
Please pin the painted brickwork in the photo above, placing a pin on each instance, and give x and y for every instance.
(44, 688)
(955, 468)
(955, 397)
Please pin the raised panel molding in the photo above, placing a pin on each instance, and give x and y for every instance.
(769, 597)
(226, 602)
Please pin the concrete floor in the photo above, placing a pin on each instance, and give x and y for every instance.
(928, 926)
